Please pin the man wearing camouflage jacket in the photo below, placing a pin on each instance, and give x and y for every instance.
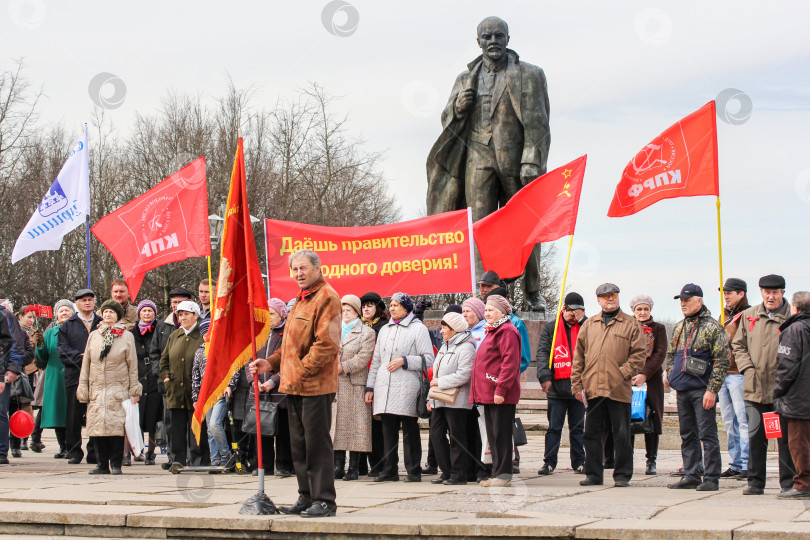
(697, 339)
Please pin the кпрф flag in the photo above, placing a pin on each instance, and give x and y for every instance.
(681, 162)
(166, 224)
(64, 207)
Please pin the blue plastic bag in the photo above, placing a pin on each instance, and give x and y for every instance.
(637, 406)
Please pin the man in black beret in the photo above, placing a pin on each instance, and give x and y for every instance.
(755, 348)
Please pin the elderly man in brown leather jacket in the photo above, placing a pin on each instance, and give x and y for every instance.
(308, 363)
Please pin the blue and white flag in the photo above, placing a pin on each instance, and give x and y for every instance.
(63, 208)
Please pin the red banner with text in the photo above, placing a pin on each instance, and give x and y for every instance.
(429, 255)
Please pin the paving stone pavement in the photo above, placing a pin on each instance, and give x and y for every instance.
(49, 498)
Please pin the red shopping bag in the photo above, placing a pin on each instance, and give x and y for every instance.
(773, 427)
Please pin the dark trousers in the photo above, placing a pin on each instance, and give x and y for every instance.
(600, 410)
(411, 441)
(276, 450)
(758, 449)
(110, 451)
(431, 457)
(556, 413)
(312, 454)
(36, 436)
(184, 448)
(376, 457)
(799, 441)
(451, 456)
(500, 422)
(698, 425)
(74, 413)
(167, 428)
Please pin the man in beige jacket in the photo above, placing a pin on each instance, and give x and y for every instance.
(610, 351)
(755, 347)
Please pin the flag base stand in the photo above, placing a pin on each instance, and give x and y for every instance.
(259, 505)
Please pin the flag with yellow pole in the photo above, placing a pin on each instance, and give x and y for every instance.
(241, 317)
(543, 211)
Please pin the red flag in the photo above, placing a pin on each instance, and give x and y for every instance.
(544, 210)
(681, 162)
(234, 325)
(166, 224)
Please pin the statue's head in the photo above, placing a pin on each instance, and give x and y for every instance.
(493, 37)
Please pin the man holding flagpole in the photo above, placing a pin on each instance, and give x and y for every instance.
(62, 209)
(307, 361)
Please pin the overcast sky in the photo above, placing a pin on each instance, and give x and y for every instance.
(619, 73)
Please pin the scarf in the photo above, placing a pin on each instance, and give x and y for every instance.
(371, 323)
(562, 350)
(491, 327)
(649, 335)
(109, 333)
(146, 327)
(346, 327)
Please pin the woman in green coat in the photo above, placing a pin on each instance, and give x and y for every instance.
(54, 401)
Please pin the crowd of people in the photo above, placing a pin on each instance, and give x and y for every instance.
(348, 374)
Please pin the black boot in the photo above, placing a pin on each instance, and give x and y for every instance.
(149, 459)
(354, 463)
(651, 443)
(340, 464)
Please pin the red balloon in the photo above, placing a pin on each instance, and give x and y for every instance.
(21, 424)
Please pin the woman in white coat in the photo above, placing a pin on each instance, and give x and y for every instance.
(393, 386)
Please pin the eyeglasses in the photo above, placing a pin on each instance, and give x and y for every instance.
(609, 296)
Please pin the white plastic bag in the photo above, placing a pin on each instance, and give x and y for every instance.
(486, 452)
(133, 427)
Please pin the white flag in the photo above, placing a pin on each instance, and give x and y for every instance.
(63, 208)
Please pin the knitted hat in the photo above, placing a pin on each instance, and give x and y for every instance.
(353, 301)
(476, 305)
(113, 305)
(63, 302)
(146, 303)
(641, 299)
(500, 303)
(453, 308)
(404, 300)
(204, 324)
(279, 306)
(455, 321)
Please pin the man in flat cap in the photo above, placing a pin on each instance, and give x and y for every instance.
(696, 364)
(755, 348)
(164, 329)
(555, 380)
(609, 352)
(71, 342)
(489, 280)
(732, 404)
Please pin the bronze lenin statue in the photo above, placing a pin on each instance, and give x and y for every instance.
(495, 138)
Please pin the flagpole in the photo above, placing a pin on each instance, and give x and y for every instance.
(720, 258)
(560, 303)
(211, 301)
(87, 238)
